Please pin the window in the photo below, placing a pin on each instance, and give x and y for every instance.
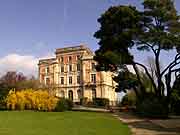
(47, 70)
(47, 81)
(93, 78)
(70, 68)
(70, 58)
(78, 67)
(62, 80)
(93, 93)
(62, 68)
(70, 80)
(62, 59)
(78, 79)
(70, 95)
(78, 57)
(93, 66)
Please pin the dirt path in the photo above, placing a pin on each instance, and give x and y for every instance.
(141, 126)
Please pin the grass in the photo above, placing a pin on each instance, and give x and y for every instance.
(60, 123)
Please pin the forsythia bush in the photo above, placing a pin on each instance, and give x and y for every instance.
(31, 100)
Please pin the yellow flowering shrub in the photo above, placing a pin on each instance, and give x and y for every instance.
(30, 100)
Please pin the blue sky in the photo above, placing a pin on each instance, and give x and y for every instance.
(32, 29)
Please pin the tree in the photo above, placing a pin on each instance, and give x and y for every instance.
(11, 78)
(30, 83)
(151, 64)
(161, 32)
(17, 81)
(118, 25)
(155, 29)
(9, 81)
(129, 99)
(126, 81)
(175, 96)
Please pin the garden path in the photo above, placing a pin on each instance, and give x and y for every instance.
(141, 126)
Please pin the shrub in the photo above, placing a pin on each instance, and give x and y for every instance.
(90, 104)
(63, 105)
(2, 105)
(101, 102)
(125, 100)
(175, 102)
(69, 104)
(129, 99)
(84, 101)
(30, 100)
(152, 107)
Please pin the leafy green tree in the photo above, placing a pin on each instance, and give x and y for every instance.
(118, 26)
(126, 81)
(155, 29)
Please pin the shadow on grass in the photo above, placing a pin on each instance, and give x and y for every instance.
(144, 123)
(150, 126)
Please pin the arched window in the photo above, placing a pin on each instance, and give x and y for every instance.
(70, 94)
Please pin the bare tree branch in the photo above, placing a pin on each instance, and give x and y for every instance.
(148, 74)
(149, 45)
(172, 64)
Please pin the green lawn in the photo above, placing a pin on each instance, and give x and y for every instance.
(57, 123)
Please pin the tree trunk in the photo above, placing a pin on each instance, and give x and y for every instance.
(168, 87)
(159, 77)
(139, 79)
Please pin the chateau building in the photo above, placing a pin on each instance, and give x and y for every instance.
(73, 75)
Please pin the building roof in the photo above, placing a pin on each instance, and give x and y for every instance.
(50, 61)
(47, 61)
(73, 49)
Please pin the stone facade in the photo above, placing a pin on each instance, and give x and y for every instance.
(73, 75)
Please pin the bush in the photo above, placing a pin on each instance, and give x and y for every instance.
(63, 105)
(30, 100)
(3, 105)
(129, 99)
(69, 104)
(101, 102)
(90, 104)
(152, 107)
(175, 102)
(96, 102)
(175, 108)
(84, 101)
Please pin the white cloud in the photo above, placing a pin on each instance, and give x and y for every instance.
(26, 64)
(15, 62)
